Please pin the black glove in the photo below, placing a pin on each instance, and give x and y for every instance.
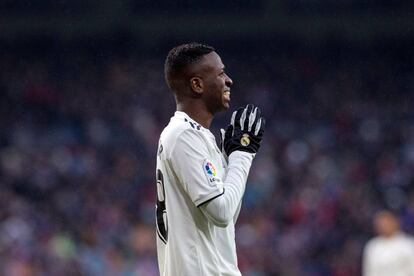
(245, 131)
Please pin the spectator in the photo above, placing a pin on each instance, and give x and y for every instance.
(391, 253)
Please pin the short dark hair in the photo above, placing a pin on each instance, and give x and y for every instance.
(183, 55)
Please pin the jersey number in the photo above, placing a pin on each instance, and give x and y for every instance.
(162, 228)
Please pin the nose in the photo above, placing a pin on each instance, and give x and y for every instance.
(229, 81)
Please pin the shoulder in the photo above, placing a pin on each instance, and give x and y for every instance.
(406, 239)
(181, 132)
(373, 243)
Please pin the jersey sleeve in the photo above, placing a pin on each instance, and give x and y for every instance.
(192, 164)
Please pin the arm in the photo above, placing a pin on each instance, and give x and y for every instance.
(197, 173)
(223, 209)
(240, 142)
(218, 198)
(236, 216)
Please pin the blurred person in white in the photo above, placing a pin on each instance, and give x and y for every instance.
(199, 186)
(391, 253)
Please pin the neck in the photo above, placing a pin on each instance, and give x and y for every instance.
(197, 111)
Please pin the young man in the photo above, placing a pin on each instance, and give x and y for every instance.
(199, 186)
(391, 253)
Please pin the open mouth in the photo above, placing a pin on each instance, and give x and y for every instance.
(226, 94)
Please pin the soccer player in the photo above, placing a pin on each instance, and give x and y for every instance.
(391, 253)
(199, 186)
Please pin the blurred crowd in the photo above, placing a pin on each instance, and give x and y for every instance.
(79, 134)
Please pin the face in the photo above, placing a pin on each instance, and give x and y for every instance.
(386, 224)
(216, 83)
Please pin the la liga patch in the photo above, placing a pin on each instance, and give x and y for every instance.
(210, 172)
(210, 169)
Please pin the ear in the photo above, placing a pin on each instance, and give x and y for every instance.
(196, 84)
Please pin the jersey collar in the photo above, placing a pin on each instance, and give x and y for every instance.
(184, 116)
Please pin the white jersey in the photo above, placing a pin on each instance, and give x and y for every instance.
(190, 173)
(392, 256)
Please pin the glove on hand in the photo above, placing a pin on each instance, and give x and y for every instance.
(245, 131)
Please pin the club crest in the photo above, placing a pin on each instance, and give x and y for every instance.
(245, 140)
